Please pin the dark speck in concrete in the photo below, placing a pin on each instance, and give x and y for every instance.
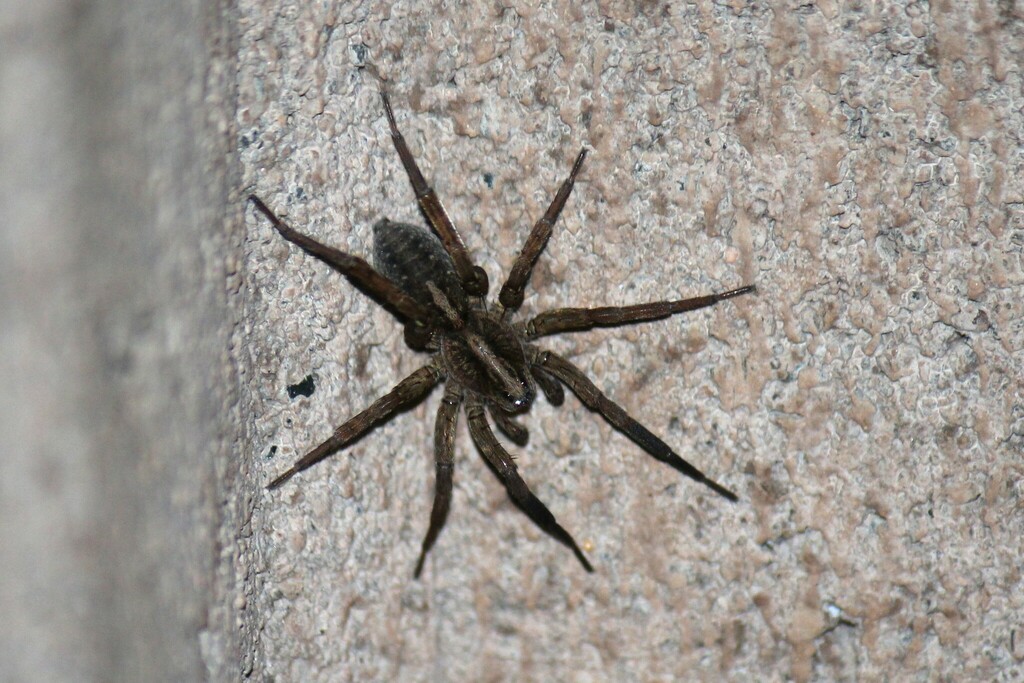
(303, 388)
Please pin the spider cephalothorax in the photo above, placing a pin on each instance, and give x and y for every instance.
(489, 364)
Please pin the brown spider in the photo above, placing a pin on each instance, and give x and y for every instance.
(427, 281)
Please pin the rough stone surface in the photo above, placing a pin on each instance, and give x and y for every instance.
(860, 162)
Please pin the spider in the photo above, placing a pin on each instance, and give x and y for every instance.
(490, 365)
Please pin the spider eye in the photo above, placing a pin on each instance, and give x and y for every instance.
(519, 401)
(515, 401)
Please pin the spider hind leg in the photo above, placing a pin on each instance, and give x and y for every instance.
(511, 295)
(474, 279)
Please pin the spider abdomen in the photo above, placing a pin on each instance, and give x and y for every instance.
(411, 257)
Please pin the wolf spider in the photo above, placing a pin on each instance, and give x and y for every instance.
(491, 366)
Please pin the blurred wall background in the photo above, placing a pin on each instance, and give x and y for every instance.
(117, 401)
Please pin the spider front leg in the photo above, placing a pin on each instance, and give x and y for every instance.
(358, 271)
(503, 465)
(511, 296)
(444, 467)
(406, 393)
(595, 400)
(579, 319)
(474, 279)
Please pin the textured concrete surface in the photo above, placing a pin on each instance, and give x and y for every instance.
(861, 162)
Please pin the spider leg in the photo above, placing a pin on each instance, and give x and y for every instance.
(406, 393)
(508, 426)
(474, 279)
(511, 296)
(579, 319)
(503, 465)
(444, 468)
(595, 400)
(359, 272)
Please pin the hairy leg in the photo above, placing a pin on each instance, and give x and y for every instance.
(511, 296)
(579, 319)
(502, 463)
(410, 390)
(444, 467)
(357, 270)
(592, 397)
(474, 279)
